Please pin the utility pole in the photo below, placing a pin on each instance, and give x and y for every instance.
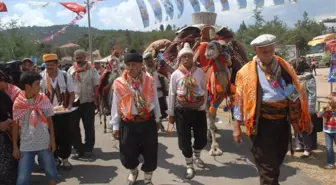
(89, 30)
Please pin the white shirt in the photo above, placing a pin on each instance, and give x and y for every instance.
(115, 115)
(175, 86)
(84, 89)
(64, 85)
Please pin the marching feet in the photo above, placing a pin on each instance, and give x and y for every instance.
(190, 168)
(148, 178)
(198, 161)
(133, 176)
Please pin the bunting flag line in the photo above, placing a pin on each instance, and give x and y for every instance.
(156, 7)
(225, 5)
(74, 7)
(74, 21)
(180, 7)
(196, 5)
(143, 12)
(209, 5)
(259, 3)
(3, 7)
(41, 4)
(242, 4)
(278, 2)
(167, 4)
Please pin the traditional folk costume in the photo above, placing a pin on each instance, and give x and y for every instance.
(187, 102)
(268, 100)
(57, 90)
(86, 80)
(135, 112)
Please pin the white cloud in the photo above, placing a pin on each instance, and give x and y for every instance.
(64, 13)
(27, 16)
(126, 15)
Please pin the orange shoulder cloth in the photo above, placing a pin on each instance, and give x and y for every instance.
(246, 95)
(125, 96)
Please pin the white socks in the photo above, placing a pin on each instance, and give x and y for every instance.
(133, 175)
(197, 154)
(148, 177)
(189, 162)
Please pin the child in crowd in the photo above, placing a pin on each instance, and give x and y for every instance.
(32, 113)
(329, 127)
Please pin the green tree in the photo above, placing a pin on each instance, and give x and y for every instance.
(161, 27)
(169, 28)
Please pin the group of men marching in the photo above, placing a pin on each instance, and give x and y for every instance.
(268, 100)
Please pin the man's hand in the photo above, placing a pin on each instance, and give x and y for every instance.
(115, 134)
(16, 153)
(4, 125)
(69, 107)
(171, 119)
(311, 127)
(52, 146)
(237, 133)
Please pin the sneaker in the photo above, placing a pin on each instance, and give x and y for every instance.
(58, 163)
(132, 177)
(298, 149)
(199, 163)
(329, 166)
(190, 173)
(67, 165)
(305, 155)
(78, 155)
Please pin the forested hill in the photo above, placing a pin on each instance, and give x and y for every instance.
(72, 33)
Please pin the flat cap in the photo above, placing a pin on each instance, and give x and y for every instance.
(264, 40)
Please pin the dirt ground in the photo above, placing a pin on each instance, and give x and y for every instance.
(313, 166)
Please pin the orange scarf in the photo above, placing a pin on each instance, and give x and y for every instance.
(126, 97)
(246, 96)
(21, 107)
(79, 69)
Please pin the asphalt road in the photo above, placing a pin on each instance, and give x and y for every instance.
(234, 167)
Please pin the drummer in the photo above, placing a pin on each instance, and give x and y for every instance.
(59, 88)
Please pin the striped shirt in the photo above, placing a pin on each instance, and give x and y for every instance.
(329, 121)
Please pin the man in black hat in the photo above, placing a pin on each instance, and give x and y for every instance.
(135, 116)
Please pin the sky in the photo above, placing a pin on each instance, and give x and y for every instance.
(124, 14)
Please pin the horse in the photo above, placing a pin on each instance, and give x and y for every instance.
(105, 92)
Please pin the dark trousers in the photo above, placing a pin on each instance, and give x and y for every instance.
(304, 141)
(139, 138)
(269, 149)
(187, 120)
(63, 125)
(163, 107)
(86, 112)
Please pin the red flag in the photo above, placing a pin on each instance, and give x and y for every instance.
(75, 7)
(3, 7)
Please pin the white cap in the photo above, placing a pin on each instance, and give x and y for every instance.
(185, 50)
(263, 40)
